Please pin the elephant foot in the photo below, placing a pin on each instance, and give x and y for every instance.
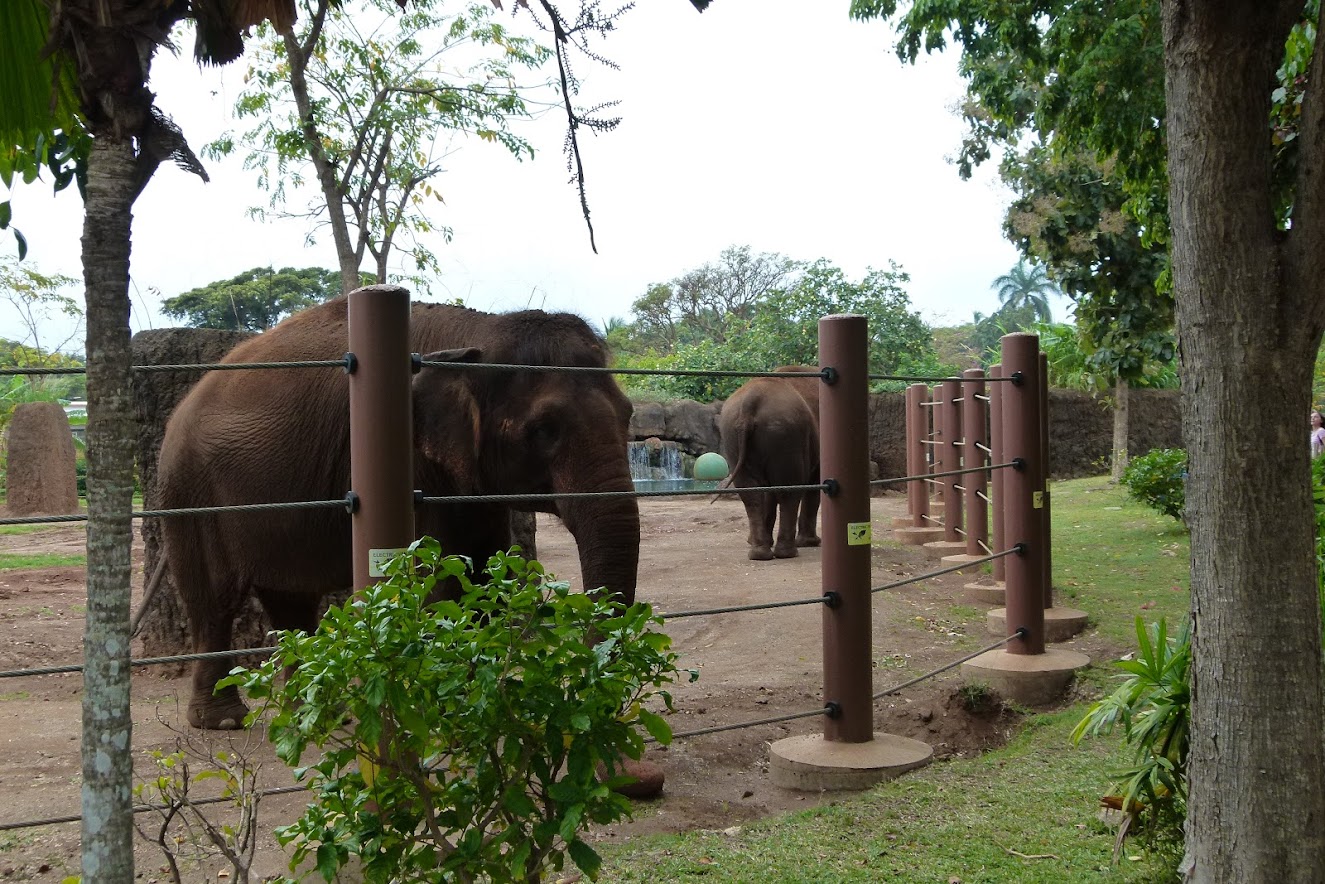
(785, 551)
(648, 778)
(760, 554)
(812, 540)
(217, 716)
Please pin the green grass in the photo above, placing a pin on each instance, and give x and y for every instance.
(1116, 559)
(1028, 812)
(24, 562)
(961, 819)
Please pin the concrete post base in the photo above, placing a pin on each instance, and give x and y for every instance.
(946, 547)
(917, 536)
(1029, 679)
(1060, 624)
(959, 558)
(812, 764)
(990, 593)
(903, 521)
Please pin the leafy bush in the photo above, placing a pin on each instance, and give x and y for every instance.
(477, 728)
(1157, 479)
(1153, 705)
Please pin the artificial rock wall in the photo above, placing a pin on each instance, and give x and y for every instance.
(1080, 429)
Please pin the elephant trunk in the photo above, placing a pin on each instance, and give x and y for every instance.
(606, 532)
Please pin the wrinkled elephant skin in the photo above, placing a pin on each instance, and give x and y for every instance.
(770, 436)
(244, 437)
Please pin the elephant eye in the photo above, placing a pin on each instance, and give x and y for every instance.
(544, 434)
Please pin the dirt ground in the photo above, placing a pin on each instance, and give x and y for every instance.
(752, 666)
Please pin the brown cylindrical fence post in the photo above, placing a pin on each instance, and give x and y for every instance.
(974, 417)
(917, 460)
(381, 444)
(844, 458)
(996, 457)
(948, 457)
(1024, 487)
(1046, 517)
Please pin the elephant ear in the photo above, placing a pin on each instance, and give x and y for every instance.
(447, 422)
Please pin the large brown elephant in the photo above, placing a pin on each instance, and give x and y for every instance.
(770, 436)
(262, 436)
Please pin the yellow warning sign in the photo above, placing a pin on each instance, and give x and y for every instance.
(1037, 500)
(859, 534)
(378, 559)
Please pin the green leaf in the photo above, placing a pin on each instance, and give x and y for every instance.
(657, 727)
(328, 861)
(585, 858)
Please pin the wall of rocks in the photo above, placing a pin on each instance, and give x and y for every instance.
(1080, 429)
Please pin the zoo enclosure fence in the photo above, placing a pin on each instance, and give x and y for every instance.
(380, 435)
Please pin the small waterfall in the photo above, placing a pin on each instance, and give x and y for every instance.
(658, 465)
(639, 461)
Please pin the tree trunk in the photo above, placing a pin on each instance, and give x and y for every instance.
(1249, 315)
(107, 844)
(1120, 424)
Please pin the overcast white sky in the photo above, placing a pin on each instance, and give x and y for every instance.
(776, 124)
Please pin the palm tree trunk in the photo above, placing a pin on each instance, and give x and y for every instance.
(107, 837)
(1120, 424)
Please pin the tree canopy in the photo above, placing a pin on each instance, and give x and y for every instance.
(364, 100)
(256, 299)
(754, 312)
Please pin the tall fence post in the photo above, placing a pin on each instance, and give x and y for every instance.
(996, 456)
(844, 458)
(1024, 486)
(1024, 669)
(848, 755)
(1046, 517)
(381, 429)
(975, 415)
(917, 461)
(949, 408)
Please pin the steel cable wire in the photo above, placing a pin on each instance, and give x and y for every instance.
(1021, 632)
(145, 808)
(928, 574)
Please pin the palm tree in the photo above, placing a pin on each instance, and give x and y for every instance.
(1026, 286)
(75, 74)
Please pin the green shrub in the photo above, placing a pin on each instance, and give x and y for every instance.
(477, 728)
(1157, 479)
(1153, 706)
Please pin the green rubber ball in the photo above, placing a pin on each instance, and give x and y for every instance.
(710, 466)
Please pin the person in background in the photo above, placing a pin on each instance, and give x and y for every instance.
(1317, 434)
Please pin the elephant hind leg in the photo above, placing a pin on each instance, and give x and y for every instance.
(787, 505)
(759, 511)
(806, 535)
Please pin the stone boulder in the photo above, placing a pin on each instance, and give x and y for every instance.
(42, 476)
(692, 425)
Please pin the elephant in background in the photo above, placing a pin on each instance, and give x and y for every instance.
(770, 436)
(257, 436)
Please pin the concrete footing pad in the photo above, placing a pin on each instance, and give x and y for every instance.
(1030, 679)
(1060, 624)
(904, 522)
(991, 593)
(812, 764)
(959, 558)
(916, 536)
(947, 547)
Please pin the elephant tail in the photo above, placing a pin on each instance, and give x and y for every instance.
(737, 463)
(149, 595)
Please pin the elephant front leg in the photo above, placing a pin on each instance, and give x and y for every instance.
(787, 506)
(760, 512)
(208, 708)
(806, 533)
